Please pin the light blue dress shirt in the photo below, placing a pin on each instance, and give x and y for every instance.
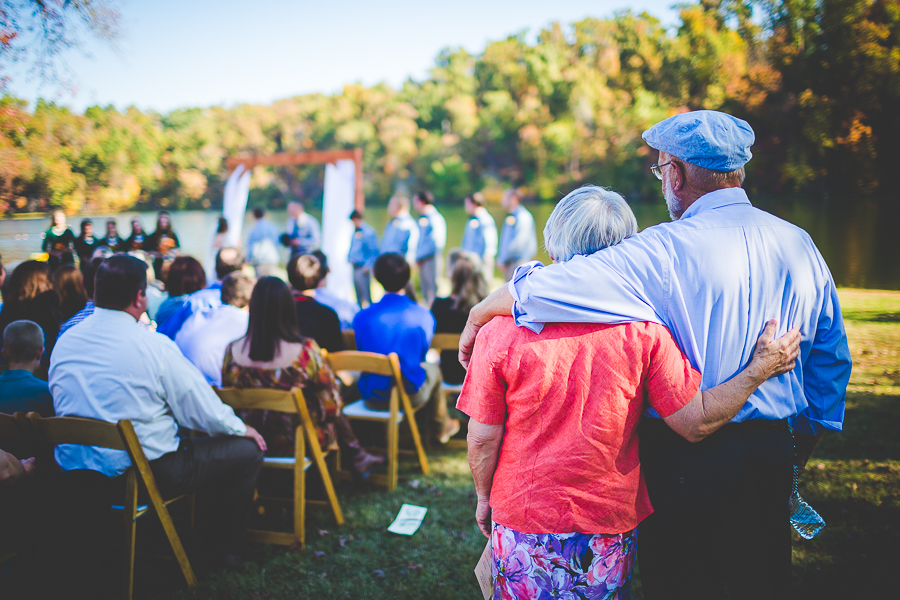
(518, 239)
(401, 236)
(306, 229)
(713, 278)
(363, 247)
(432, 235)
(480, 235)
(262, 243)
(204, 337)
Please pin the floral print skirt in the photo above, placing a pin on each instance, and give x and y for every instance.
(573, 566)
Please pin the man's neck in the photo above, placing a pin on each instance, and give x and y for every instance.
(427, 209)
(309, 293)
(26, 366)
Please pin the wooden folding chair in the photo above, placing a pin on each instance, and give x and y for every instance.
(292, 402)
(442, 342)
(10, 432)
(120, 436)
(349, 339)
(379, 364)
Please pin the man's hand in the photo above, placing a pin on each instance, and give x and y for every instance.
(774, 357)
(11, 468)
(28, 466)
(498, 304)
(483, 516)
(253, 434)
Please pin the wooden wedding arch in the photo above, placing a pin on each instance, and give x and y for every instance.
(312, 157)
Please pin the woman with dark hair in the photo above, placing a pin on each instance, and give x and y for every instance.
(138, 238)
(185, 277)
(29, 295)
(450, 314)
(162, 241)
(273, 354)
(68, 282)
(86, 242)
(112, 239)
(59, 241)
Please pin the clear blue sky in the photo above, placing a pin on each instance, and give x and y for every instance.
(203, 52)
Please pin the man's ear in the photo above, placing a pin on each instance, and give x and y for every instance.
(40, 354)
(678, 176)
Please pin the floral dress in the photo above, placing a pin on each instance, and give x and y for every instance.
(312, 374)
(574, 566)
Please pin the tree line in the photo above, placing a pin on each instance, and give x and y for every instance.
(819, 80)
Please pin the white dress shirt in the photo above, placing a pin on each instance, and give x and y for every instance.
(206, 334)
(109, 368)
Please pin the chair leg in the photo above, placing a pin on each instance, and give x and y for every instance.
(417, 440)
(300, 501)
(175, 542)
(129, 515)
(393, 441)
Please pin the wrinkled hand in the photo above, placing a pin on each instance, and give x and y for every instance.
(254, 435)
(483, 516)
(467, 341)
(775, 357)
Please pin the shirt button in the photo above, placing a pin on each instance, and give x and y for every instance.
(681, 480)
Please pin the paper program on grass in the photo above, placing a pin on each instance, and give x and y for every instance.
(483, 572)
(408, 519)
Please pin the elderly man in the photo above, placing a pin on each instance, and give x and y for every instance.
(518, 241)
(140, 375)
(712, 277)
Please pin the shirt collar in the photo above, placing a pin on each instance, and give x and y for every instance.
(114, 316)
(16, 374)
(716, 199)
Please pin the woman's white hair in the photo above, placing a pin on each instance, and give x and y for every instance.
(587, 220)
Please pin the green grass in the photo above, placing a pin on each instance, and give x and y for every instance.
(853, 481)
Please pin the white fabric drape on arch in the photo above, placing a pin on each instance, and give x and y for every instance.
(337, 228)
(234, 205)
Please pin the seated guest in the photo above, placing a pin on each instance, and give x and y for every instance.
(273, 354)
(86, 243)
(316, 320)
(20, 390)
(88, 271)
(450, 314)
(205, 335)
(155, 293)
(140, 375)
(397, 324)
(68, 282)
(228, 260)
(345, 309)
(185, 277)
(553, 442)
(29, 296)
(51, 520)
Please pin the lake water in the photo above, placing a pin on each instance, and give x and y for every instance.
(860, 241)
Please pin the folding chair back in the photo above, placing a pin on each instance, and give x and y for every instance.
(121, 436)
(349, 339)
(9, 427)
(292, 402)
(399, 406)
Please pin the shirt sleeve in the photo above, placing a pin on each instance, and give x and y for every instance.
(483, 395)
(826, 371)
(628, 283)
(671, 381)
(190, 397)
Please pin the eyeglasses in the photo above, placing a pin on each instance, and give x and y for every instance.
(657, 169)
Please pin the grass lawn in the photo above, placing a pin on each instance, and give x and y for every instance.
(853, 481)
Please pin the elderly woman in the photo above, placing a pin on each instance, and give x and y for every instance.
(553, 443)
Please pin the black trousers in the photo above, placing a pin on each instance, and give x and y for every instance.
(720, 524)
(222, 471)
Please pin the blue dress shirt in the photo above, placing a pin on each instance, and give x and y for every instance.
(480, 235)
(395, 324)
(209, 297)
(307, 230)
(363, 247)
(432, 235)
(518, 239)
(713, 278)
(401, 236)
(263, 242)
(20, 391)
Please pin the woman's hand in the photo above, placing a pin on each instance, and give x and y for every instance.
(774, 357)
(483, 516)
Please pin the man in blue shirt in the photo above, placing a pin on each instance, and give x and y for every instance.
(712, 276)
(518, 240)
(432, 239)
(397, 324)
(20, 390)
(401, 235)
(262, 244)
(303, 233)
(480, 236)
(362, 255)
